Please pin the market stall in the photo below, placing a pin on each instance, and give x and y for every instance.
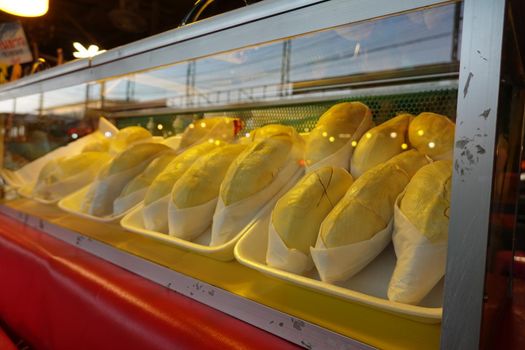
(329, 172)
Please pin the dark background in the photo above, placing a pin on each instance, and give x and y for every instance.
(107, 23)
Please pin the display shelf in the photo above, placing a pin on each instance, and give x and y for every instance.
(302, 316)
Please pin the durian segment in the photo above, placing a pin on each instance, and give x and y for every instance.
(381, 143)
(62, 168)
(203, 129)
(298, 215)
(432, 134)
(126, 136)
(272, 130)
(163, 183)
(334, 129)
(368, 206)
(426, 202)
(255, 168)
(202, 181)
(99, 144)
(149, 174)
(125, 166)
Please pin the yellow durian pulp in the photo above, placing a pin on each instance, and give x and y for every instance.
(163, 183)
(149, 174)
(126, 136)
(134, 156)
(100, 143)
(426, 202)
(432, 134)
(271, 130)
(334, 129)
(368, 205)
(197, 131)
(379, 144)
(202, 181)
(64, 167)
(298, 215)
(255, 168)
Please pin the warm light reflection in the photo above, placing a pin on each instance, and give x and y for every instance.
(247, 134)
(420, 132)
(404, 146)
(217, 142)
(331, 139)
(108, 134)
(191, 126)
(368, 135)
(393, 134)
(211, 140)
(325, 134)
(25, 8)
(203, 124)
(74, 136)
(160, 126)
(354, 143)
(431, 144)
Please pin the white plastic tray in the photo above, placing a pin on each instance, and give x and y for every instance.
(368, 287)
(73, 203)
(133, 222)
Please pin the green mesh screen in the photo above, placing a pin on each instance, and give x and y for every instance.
(304, 116)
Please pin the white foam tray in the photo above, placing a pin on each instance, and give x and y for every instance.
(133, 222)
(368, 287)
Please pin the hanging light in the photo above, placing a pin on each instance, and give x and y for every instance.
(82, 52)
(25, 8)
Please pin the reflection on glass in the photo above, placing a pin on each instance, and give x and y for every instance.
(419, 43)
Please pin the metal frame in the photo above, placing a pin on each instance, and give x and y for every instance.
(474, 155)
(274, 19)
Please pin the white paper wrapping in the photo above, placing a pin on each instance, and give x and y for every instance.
(341, 157)
(28, 174)
(420, 263)
(189, 223)
(123, 204)
(155, 215)
(280, 256)
(55, 192)
(103, 192)
(229, 221)
(340, 263)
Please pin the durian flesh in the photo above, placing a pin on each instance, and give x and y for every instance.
(298, 215)
(163, 183)
(432, 134)
(368, 206)
(334, 129)
(201, 182)
(255, 168)
(426, 202)
(379, 144)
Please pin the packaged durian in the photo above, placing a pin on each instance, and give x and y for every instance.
(359, 227)
(432, 134)
(420, 233)
(252, 180)
(65, 175)
(100, 143)
(380, 143)
(206, 129)
(330, 142)
(297, 217)
(194, 195)
(126, 137)
(134, 192)
(112, 179)
(157, 195)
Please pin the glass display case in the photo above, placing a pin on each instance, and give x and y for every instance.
(288, 63)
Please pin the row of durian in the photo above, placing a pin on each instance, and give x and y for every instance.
(209, 181)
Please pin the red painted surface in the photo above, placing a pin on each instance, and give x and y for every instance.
(5, 342)
(56, 296)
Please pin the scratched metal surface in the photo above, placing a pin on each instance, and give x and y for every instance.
(473, 172)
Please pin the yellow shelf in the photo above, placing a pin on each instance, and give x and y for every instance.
(370, 326)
